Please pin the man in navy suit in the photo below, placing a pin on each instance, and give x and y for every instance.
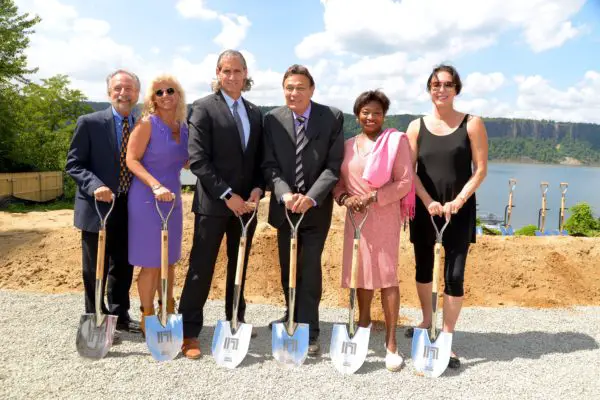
(93, 162)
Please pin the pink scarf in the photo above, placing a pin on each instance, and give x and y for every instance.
(378, 170)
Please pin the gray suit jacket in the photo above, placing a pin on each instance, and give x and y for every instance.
(321, 159)
(93, 161)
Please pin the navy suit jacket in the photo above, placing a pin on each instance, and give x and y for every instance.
(93, 161)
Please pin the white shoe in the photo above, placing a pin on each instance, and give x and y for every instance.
(393, 361)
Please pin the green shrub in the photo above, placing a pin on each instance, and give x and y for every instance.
(490, 231)
(527, 230)
(582, 221)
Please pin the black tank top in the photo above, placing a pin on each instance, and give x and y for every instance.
(444, 165)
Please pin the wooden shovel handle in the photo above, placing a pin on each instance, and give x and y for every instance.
(164, 255)
(293, 261)
(240, 261)
(354, 271)
(101, 252)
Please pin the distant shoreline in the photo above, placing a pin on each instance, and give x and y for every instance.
(535, 162)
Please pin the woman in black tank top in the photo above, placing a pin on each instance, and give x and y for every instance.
(450, 151)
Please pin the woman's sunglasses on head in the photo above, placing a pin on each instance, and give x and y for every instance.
(170, 91)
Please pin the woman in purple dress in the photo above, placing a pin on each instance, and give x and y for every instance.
(156, 153)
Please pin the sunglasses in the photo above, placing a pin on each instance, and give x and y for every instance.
(170, 91)
(445, 85)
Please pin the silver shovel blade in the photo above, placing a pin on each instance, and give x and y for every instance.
(290, 351)
(348, 355)
(95, 341)
(229, 350)
(164, 342)
(431, 359)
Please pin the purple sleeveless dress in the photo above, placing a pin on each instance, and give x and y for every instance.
(164, 158)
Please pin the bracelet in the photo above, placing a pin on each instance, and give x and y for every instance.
(156, 187)
(342, 198)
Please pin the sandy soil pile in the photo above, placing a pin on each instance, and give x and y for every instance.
(42, 252)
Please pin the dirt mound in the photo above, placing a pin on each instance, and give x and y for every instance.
(42, 252)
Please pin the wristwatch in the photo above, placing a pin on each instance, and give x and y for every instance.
(228, 196)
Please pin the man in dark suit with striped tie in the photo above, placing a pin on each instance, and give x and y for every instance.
(96, 161)
(304, 146)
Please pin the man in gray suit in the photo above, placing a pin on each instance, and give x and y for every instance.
(96, 162)
(304, 147)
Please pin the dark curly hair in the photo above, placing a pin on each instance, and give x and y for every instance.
(449, 69)
(369, 96)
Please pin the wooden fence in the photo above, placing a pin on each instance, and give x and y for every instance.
(33, 186)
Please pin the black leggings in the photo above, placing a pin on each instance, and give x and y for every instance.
(454, 266)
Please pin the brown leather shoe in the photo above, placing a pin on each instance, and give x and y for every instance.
(144, 314)
(191, 348)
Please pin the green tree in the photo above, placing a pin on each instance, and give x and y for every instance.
(46, 115)
(15, 29)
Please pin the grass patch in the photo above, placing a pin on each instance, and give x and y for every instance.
(18, 206)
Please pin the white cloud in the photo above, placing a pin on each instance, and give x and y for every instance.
(234, 31)
(538, 99)
(476, 84)
(433, 25)
(195, 9)
(154, 50)
(234, 27)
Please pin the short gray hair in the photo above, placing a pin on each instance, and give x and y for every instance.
(216, 85)
(122, 71)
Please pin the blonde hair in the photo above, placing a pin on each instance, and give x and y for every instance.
(149, 103)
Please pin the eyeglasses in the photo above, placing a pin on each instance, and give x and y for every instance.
(439, 85)
(170, 91)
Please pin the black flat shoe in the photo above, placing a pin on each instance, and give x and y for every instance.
(454, 362)
(130, 326)
(410, 331)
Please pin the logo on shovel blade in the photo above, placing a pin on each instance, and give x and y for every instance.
(230, 343)
(430, 352)
(349, 348)
(164, 336)
(96, 337)
(291, 345)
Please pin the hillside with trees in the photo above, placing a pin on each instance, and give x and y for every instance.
(520, 140)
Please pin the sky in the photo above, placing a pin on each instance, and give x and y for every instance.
(535, 59)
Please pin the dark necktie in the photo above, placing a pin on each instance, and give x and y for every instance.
(124, 172)
(300, 144)
(240, 126)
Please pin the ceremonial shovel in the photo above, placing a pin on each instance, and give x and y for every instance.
(431, 353)
(95, 333)
(164, 336)
(349, 350)
(231, 340)
(290, 340)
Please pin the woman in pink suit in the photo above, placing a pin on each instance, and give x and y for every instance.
(376, 173)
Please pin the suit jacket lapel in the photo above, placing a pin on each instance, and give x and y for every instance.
(289, 125)
(111, 133)
(312, 129)
(252, 120)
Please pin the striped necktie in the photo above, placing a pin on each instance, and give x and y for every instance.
(300, 144)
(124, 172)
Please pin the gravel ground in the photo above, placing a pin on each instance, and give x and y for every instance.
(506, 353)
